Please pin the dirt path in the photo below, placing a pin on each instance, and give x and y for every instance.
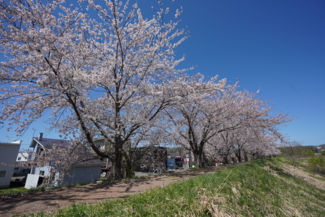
(54, 199)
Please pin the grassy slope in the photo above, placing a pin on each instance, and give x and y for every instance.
(261, 188)
(303, 165)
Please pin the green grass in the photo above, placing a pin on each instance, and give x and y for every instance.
(260, 188)
(15, 190)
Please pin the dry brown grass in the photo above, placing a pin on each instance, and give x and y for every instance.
(304, 176)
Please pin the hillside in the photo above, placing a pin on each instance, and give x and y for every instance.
(266, 187)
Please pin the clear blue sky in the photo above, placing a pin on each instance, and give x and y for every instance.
(278, 46)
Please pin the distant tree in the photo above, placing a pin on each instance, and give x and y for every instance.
(310, 153)
(317, 164)
(323, 152)
(291, 151)
(301, 151)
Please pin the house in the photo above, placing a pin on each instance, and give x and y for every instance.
(22, 157)
(18, 170)
(8, 154)
(84, 172)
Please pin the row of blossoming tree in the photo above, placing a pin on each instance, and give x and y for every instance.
(115, 76)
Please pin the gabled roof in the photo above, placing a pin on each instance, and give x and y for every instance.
(47, 142)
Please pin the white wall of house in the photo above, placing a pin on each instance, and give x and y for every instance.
(22, 157)
(8, 155)
(35, 151)
(43, 171)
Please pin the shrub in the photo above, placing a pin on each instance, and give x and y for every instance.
(310, 153)
(317, 164)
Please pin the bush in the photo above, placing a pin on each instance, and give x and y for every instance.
(310, 153)
(317, 164)
(323, 152)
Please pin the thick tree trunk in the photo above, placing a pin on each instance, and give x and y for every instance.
(239, 156)
(245, 156)
(225, 160)
(118, 162)
(198, 159)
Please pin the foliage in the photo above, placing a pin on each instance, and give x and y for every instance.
(317, 164)
(310, 153)
(323, 152)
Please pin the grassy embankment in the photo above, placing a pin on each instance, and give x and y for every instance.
(268, 187)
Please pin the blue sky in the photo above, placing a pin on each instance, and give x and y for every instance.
(277, 46)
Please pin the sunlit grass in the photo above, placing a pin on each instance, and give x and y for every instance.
(260, 188)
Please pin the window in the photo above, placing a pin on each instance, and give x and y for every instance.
(19, 158)
(41, 173)
(3, 174)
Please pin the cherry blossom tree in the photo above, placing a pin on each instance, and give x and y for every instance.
(227, 116)
(107, 77)
(194, 122)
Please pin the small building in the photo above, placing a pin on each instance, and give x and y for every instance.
(85, 172)
(8, 154)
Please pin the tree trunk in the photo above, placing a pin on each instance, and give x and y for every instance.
(239, 156)
(129, 169)
(198, 159)
(225, 160)
(118, 162)
(245, 156)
